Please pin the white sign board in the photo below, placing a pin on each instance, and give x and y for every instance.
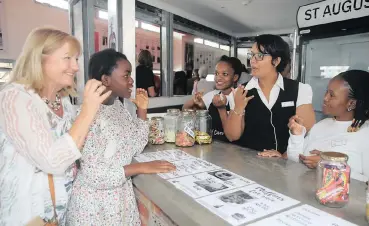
(330, 11)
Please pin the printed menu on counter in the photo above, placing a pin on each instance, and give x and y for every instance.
(242, 205)
(188, 167)
(208, 183)
(303, 216)
(167, 155)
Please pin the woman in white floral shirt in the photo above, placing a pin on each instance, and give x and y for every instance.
(102, 192)
(39, 136)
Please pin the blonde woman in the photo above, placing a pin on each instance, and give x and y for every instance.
(40, 137)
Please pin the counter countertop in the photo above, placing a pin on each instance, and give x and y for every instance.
(286, 177)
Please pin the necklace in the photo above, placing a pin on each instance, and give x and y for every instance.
(54, 105)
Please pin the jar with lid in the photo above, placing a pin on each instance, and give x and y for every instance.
(203, 129)
(156, 134)
(333, 179)
(170, 125)
(185, 136)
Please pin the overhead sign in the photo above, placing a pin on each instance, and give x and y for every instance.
(330, 11)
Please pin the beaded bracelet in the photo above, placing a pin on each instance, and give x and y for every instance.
(240, 114)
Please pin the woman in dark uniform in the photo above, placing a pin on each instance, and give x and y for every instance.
(227, 72)
(264, 105)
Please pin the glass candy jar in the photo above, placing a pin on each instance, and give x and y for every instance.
(185, 136)
(203, 129)
(333, 179)
(156, 134)
(170, 125)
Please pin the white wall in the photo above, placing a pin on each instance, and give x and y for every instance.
(21, 16)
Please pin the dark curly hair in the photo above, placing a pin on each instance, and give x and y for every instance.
(103, 63)
(276, 47)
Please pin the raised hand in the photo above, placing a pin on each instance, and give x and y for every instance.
(220, 101)
(197, 99)
(142, 99)
(93, 96)
(295, 125)
(240, 98)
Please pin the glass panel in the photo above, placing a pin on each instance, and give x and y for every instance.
(325, 58)
(191, 53)
(148, 39)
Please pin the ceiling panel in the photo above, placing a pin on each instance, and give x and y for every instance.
(244, 16)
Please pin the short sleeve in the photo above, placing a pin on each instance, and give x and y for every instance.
(305, 94)
(208, 98)
(27, 128)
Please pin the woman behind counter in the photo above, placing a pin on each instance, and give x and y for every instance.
(264, 105)
(103, 193)
(145, 78)
(227, 72)
(347, 131)
(40, 137)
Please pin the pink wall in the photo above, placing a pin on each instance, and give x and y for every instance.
(19, 21)
(21, 16)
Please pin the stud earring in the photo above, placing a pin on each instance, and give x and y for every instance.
(349, 109)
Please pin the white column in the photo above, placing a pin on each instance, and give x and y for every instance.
(294, 58)
(129, 43)
(114, 24)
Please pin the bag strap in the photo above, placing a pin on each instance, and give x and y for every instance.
(52, 193)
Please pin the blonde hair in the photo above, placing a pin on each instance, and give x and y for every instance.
(28, 68)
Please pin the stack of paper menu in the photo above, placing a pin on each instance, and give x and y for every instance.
(303, 216)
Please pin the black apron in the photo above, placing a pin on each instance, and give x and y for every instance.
(268, 129)
(217, 126)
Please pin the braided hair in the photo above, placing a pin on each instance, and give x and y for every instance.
(357, 82)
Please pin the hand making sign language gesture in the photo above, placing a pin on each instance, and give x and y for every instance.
(220, 100)
(142, 103)
(296, 127)
(197, 100)
(142, 99)
(240, 99)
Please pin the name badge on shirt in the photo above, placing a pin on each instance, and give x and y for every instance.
(288, 104)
